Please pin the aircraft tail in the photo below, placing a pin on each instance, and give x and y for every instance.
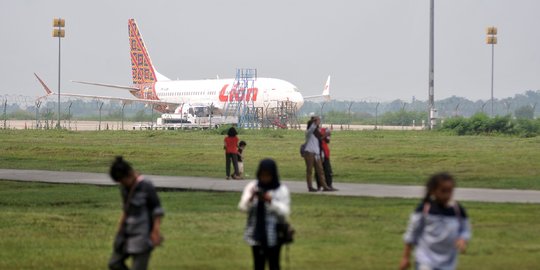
(142, 69)
(326, 90)
(325, 93)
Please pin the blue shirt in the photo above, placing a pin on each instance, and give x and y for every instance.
(434, 233)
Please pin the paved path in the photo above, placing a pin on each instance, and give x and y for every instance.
(211, 184)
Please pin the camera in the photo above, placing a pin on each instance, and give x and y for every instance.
(259, 193)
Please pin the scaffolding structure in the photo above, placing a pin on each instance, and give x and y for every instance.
(240, 101)
(283, 115)
(241, 104)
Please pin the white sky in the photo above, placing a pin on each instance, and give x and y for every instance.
(376, 49)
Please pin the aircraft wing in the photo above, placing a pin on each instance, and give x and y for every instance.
(130, 88)
(127, 100)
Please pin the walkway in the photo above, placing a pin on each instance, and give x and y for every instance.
(212, 184)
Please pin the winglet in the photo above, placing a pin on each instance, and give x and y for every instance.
(49, 92)
(326, 91)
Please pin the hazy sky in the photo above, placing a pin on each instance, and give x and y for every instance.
(375, 49)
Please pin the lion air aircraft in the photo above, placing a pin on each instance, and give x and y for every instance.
(168, 96)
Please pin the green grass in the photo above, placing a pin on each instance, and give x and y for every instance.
(394, 157)
(48, 226)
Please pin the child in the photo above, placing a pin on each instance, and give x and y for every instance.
(438, 228)
(241, 146)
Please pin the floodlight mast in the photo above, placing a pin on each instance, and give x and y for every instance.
(432, 111)
(491, 39)
(58, 32)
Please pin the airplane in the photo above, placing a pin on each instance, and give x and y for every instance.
(177, 96)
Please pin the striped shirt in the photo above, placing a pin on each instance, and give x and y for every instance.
(144, 206)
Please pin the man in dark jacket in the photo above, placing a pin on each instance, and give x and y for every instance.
(139, 228)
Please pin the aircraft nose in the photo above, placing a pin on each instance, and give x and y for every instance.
(298, 99)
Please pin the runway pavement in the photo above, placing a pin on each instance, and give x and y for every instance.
(212, 184)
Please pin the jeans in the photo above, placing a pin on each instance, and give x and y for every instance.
(140, 261)
(328, 173)
(234, 158)
(263, 254)
(314, 163)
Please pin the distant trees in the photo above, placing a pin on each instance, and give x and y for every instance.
(21, 115)
(524, 112)
(448, 107)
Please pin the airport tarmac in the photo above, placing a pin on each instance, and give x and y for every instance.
(117, 125)
(299, 187)
(71, 125)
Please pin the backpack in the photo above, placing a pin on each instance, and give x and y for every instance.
(302, 150)
(285, 233)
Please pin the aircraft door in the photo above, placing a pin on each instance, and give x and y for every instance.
(266, 95)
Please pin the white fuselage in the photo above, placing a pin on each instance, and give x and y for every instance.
(265, 92)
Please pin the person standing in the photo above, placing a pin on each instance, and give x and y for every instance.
(139, 227)
(241, 147)
(267, 202)
(327, 166)
(231, 153)
(312, 155)
(439, 228)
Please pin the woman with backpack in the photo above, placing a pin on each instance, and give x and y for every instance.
(267, 203)
(311, 151)
(438, 229)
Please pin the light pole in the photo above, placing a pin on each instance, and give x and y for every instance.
(59, 32)
(491, 39)
(432, 111)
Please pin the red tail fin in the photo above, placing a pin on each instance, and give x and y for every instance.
(142, 69)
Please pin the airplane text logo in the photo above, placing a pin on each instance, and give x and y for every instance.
(249, 94)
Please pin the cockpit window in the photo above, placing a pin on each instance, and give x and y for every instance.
(295, 89)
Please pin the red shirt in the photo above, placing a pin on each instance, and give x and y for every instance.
(231, 145)
(324, 144)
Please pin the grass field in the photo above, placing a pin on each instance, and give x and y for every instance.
(395, 157)
(47, 226)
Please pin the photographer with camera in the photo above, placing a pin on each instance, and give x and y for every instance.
(267, 203)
